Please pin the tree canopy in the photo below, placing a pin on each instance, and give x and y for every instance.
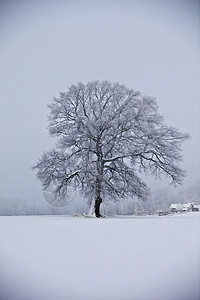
(107, 135)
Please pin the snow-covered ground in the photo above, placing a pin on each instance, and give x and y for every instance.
(71, 258)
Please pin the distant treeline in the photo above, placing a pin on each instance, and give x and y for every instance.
(160, 199)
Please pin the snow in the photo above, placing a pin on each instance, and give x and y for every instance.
(76, 258)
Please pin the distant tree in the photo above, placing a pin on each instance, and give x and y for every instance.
(107, 134)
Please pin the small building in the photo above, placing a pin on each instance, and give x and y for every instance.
(188, 207)
(196, 208)
(178, 207)
(163, 213)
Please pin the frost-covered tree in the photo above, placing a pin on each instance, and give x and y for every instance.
(107, 134)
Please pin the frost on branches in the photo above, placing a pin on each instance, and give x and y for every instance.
(107, 134)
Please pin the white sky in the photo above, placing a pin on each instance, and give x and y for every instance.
(45, 46)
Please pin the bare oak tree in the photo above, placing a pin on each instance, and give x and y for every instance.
(107, 134)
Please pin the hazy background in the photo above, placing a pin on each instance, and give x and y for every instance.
(45, 46)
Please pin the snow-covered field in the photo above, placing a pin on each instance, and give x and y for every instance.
(71, 258)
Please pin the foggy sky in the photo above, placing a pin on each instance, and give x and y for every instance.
(45, 46)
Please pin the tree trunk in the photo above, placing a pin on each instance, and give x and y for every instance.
(98, 202)
(99, 176)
